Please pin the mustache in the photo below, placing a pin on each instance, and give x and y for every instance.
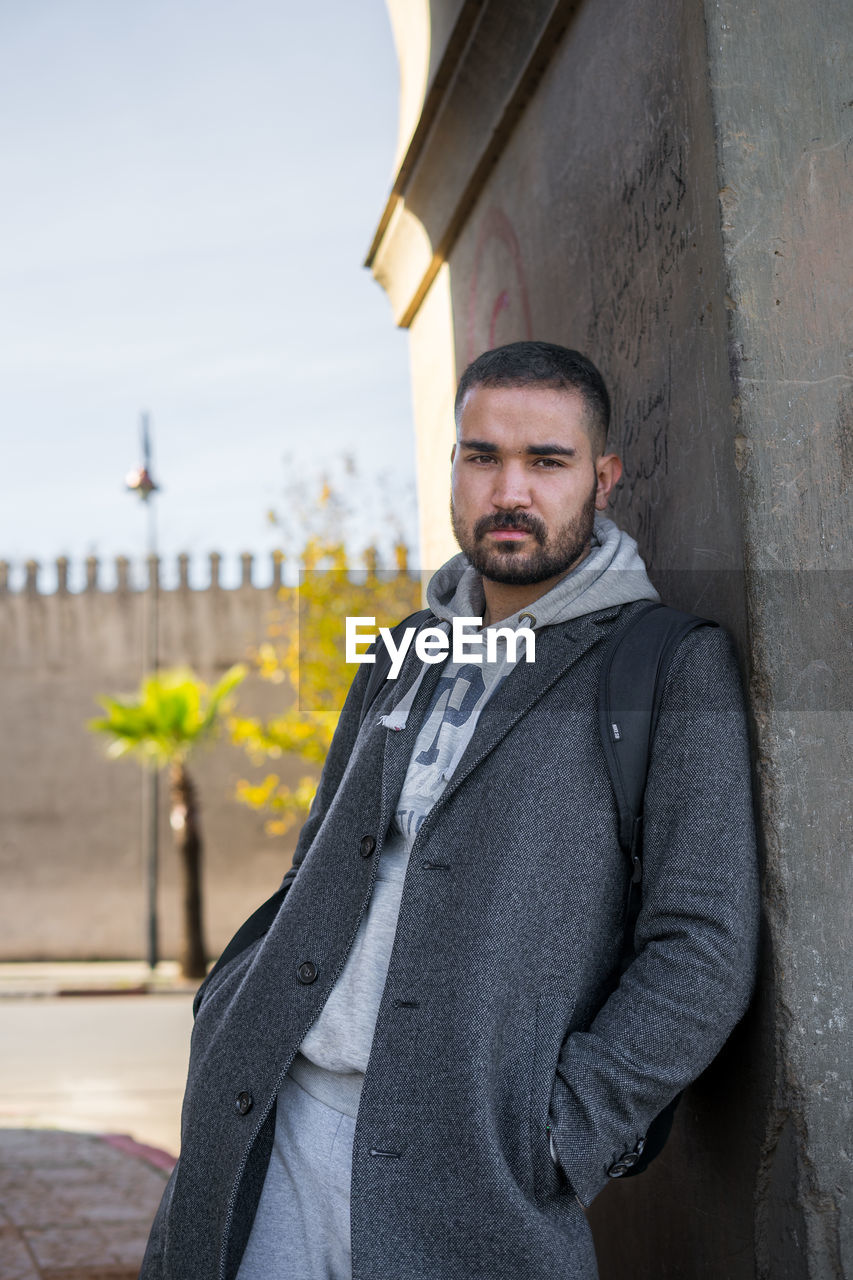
(512, 520)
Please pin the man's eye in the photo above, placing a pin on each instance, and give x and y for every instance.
(480, 457)
(548, 463)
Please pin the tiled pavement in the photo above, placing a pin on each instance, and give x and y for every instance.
(76, 1206)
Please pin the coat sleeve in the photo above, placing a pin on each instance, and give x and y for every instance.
(696, 938)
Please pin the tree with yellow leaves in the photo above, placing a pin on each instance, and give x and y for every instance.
(309, 657)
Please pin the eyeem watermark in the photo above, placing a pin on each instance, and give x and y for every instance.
(432, 644)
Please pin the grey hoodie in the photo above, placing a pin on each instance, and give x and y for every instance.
(333, 1056)
(613, 573)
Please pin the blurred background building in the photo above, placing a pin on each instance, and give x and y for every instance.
(71, 857)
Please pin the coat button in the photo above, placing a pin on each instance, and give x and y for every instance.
(306, 972)
(368, 844)
(625, 1162)
(244, 1103)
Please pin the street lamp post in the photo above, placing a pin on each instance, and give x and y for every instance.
(139, 481)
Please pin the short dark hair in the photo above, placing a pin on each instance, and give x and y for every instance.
(543, 364)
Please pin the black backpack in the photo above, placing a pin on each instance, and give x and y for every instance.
(630, 687)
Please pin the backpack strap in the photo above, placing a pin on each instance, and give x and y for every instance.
(630, 688)
(382, 665)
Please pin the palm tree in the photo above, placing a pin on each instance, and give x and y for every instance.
(171, 714)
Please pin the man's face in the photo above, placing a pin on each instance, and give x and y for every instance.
(525, 485)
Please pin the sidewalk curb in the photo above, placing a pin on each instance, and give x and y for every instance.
(53, 993)
(154, 1156)
(36, 980)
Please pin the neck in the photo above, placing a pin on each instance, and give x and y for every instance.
(503, 599)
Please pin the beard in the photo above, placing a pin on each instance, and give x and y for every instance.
(506, 563)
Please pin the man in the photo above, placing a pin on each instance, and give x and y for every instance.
(426, 1062)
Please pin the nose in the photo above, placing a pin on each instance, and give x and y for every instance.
(511, 489)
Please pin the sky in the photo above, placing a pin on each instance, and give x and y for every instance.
(190, 188)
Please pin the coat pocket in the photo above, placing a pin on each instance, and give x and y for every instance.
(554, 1007)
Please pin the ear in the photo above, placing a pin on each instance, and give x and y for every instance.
(608, 470)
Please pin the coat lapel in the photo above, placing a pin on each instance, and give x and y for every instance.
(557, 649)
(400, 743)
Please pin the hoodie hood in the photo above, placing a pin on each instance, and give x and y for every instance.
(613, 573)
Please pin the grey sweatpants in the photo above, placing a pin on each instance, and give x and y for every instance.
(302, 1227)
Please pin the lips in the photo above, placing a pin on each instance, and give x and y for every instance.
(510, 528)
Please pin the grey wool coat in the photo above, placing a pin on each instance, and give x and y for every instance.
(503, 1011)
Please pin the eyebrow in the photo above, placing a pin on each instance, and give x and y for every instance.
(535, 450)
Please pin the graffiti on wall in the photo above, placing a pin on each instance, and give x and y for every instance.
(498, 297)
(633, 272)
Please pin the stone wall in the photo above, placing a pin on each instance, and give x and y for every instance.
(782, 97)
(667, 187)
(71, 844)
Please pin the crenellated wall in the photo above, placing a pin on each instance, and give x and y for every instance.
(71, 858)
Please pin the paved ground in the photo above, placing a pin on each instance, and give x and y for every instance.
(90, 1094)
(74, 1206)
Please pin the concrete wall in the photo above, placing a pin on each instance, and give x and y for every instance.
(783, 101)
(644, 179)
(71, 849)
